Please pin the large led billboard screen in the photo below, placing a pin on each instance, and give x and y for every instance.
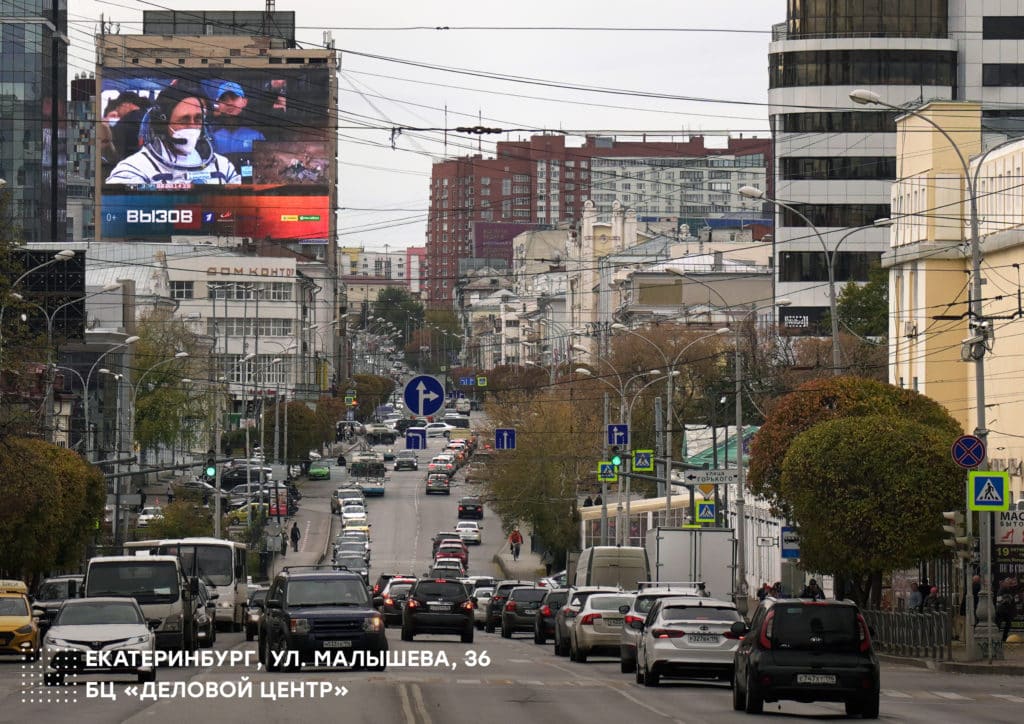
(231, 152)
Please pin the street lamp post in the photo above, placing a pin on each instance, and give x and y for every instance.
(980, 331)
(830, 257)
(60, 256)
(88, 430)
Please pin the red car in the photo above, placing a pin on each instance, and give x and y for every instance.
(451, 550)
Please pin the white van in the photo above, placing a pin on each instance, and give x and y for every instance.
(463, 406)
(622, 566)
(161, 588)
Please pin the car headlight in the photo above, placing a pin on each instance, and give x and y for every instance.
(299, 625)
(224, 604)
(57, 643)
(373, 623)
(26, 629)
(172, 623)
(138, 640)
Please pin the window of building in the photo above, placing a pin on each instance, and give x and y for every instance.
(280, 291)
(1003, 27)
(835, 215)
(862, 67)
(812, 266)
(506, 187)
(839, 168)
(182, 290)
(1002, 75)
(838, 122)
(720, 174)
(874, 18)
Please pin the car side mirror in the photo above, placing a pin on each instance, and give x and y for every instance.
(153, 624)
(636, 625)
(739, 628)
(623, 609)
(38, 612)
(378, 601)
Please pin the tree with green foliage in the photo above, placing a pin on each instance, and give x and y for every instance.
(396, 305)
(864, 308)
(184, 518)
(52, 500)
(306, 430)
(866, 494)
(825, 399)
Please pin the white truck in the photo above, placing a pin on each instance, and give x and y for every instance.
(694, 554)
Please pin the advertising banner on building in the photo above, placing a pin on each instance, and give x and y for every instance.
(1008, 558)
(218, 151)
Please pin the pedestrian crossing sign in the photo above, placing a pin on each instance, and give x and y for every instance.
(705, 512)
(606, 471)
(988, 490)
(643, 461)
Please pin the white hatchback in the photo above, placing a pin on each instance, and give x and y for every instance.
(469, 531)
(353, 515)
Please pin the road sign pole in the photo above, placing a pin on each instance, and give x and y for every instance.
(629, 494)
(604, 483)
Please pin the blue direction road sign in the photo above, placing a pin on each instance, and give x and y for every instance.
(988, 490)
(618, 434)
(467, 381)
(416, 439)
(505, 438)
(643, 461)
(790, 542)
(968, 451)
(424, 395)
(606, 471)
(705, 512)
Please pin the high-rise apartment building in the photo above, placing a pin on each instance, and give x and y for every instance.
(33, 93)
(543, 183)
(834, 160)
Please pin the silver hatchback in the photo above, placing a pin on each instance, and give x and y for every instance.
(598, 626)
(687, 638)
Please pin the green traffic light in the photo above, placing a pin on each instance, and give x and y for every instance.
(211, 471)
(616, 460)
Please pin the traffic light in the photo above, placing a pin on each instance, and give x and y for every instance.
(211, 466)
(955, 537)
(616, 458)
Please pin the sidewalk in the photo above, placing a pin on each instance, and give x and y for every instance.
(1011, 665)
(317, 528)
(529, 567)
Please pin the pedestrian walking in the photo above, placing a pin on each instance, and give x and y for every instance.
(1006, 605)
(296, 534)
(170, 494)
(284, 546)
(915, 600)
(932, 601)
(764, 592)
(812, 591)
(515, 540)
(549, 562)
(142, 499)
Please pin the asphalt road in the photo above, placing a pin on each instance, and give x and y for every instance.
(512, 681)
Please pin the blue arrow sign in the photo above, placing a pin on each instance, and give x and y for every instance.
(424, 395)
(415, 439)
(618, 434)
(505, 438)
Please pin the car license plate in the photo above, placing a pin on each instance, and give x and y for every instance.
(337, 644)
(440, 607)
(613, 621)
(702, 638)
(815, 678)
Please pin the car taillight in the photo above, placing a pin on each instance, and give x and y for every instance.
(510, 606)
(631, 619)
(865, 634)
(667, 633)
(461, 508)
(468, 605)
(765, 637)
(412, 603)
(589, 619)
(389, 601)
(376, 588)
(545, 610)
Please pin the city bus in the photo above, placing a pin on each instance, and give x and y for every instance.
(222, 564)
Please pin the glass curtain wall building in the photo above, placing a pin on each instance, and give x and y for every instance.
(33, 93)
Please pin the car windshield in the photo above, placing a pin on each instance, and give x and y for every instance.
(441, 589)
(405, 454)
(13, 607)
(815, 627)
(98, 614)
(468, 525)
(356, 535)
(147, 582)
(354, 509)
(483, 592)
(327, 592)
(699, 613)
(53, 591)
(608, 603)
(530, 595)
(351, 561)
(645, 603)
(399, 590)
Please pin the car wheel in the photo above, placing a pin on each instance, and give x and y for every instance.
(407, 634)
(506, 631)
(754, 702)
(627, 665)
(652, 678)
(479, 626)
(639, 674)
(581, 655)
(269, 662)
(489, 627)
(870, 707)
(53, 679)
(739, 701)
(249, 634)
(147, 676)
(467, 635)
(539, 637)
(561, 649)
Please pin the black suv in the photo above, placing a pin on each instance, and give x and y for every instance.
(311, 609)
(497, 602)
(471, 507)
(806, 651)
(436, 606)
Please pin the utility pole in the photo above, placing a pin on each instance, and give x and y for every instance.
(604, 484)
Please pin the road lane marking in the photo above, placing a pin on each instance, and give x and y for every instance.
(951, 696)
(519, 661)
(417, 694)
(467, 681)
(648, 707)
(403, 694)
(1010, 698)
(533, 682)
(896, 694)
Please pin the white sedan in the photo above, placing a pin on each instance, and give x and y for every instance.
(469, 531)
(353, 515)
(149, 514)
(438, 429)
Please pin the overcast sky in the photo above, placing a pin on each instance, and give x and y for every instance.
(385, 192)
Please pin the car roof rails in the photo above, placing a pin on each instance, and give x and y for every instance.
(699, 585)
(321, 566)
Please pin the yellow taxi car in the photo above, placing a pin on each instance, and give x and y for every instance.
(19, 632)
(240, 516)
